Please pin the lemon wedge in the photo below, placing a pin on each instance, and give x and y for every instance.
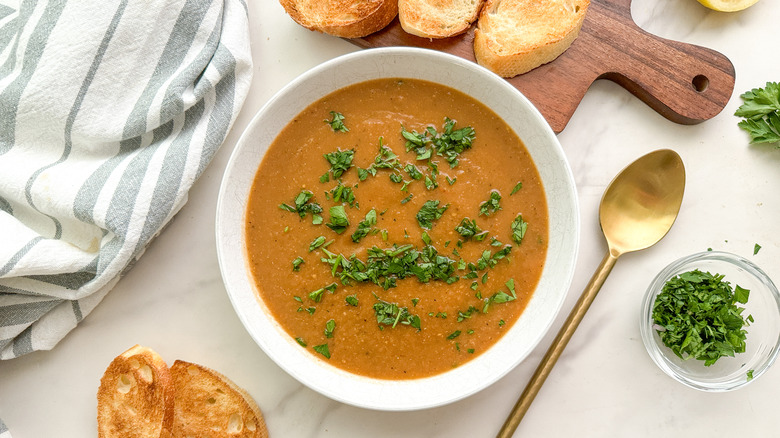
(728, 5)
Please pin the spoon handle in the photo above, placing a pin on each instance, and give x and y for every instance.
(557, 346)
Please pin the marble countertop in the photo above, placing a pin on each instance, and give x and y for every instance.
(604, 385)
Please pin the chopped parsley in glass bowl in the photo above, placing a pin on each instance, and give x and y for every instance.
(711, 321)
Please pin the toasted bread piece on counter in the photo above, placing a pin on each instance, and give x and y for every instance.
(342, 18)
(437, 18)
(135, 398)
(209, 404)
(516, 36)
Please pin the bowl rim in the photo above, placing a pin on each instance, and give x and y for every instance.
(405, 395)
(654, 350)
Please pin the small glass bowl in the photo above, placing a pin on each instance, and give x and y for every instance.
(763, 335)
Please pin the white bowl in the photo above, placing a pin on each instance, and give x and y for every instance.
(542, 309)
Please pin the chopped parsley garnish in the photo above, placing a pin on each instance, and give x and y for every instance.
(385, 266)
(364, 226)
(517, 188)
(429, 212)
(316, 295)
(352, 300)
(337, 122)
(492, 205)
(761, 113)
(390, 314)
(413, 172)
(329, 327)
(297, 263)
(756, 248)
(316, 243)
(340, 161)
(323, 350)
(302, 206)
(407, 199)
(468, 229)
(697, 316)
(518, 227)
(501, 297)
(449, 143)
(453, 335)
(300, 342)
(342, 193)
(338, 219)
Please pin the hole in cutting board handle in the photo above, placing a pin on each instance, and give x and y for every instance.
(700, 83)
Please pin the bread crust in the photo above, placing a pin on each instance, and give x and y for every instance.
(516, 36)
(342, 18)
(135, 397)
(209, 404)
(437, 18)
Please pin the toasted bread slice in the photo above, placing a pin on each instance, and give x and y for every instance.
(437, 18)
(342, 18)
(516, 36)
(135, 398)
(209, 404)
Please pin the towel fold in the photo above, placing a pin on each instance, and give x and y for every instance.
(109, 112)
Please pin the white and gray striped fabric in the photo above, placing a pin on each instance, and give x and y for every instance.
(109, 112)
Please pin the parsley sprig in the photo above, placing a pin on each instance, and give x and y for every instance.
(761, 113)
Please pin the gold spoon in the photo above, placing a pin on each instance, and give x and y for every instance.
(637, 210)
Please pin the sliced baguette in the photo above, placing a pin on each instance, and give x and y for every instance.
(135, 398)
(209, 404)
(437, 18)
(516, 36)
(342, 18)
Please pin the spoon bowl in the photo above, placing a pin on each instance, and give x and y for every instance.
(641, 203)
(637, 210)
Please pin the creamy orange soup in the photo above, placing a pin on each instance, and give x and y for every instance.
(396, 228)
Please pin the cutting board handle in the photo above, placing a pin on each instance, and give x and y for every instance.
(685, 83)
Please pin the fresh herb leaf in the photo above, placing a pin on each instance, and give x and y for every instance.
(390, 314)
(330, 326)
(517, 188)
(756, 248)
(761, 113)
(453, 335)
(300, 341)
(337, 122)
(364, 226)
(342, 193)
(352, 300)
(449, 143)
(492, 205)
(316, 243)
(429, 212)
(316, 295)
(297, 263)
(302, 205)
(340, 161)
(338, 219)
(518, 227)
(323, 350)
(407, 199)
(468, 229)
(696, 315)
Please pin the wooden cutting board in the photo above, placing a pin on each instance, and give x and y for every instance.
(685, 83)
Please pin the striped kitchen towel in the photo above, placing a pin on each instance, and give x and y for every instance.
(109, 112)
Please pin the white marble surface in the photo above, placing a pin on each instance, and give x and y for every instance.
(604, 385)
